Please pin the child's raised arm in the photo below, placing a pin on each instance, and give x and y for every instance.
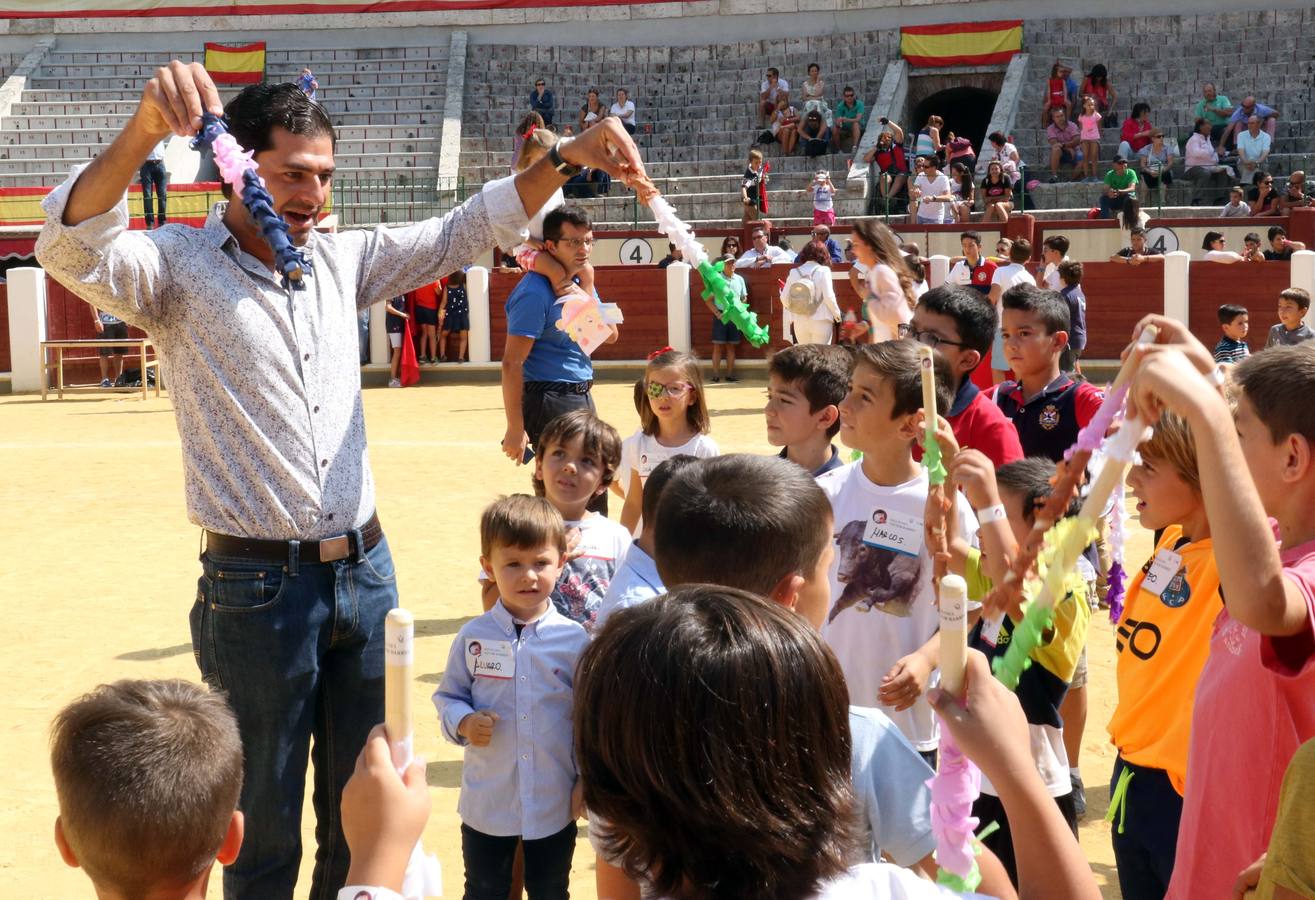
(974, 472)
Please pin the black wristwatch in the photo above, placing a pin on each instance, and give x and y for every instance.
(561, 165)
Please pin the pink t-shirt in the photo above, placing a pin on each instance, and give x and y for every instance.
(1255, 705)
(1090, 126)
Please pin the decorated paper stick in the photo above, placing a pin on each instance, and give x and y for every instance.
(237, 168)
(937, 517)
(931, 450)
(954, 633)
(424, 876)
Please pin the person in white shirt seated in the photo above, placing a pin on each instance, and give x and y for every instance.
(624, 109)
(773, 93)
(763, 255)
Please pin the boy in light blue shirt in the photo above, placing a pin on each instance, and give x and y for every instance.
(506, 696)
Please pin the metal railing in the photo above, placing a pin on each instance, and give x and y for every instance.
(369, 202)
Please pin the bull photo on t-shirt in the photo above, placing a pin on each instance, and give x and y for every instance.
(874, 577)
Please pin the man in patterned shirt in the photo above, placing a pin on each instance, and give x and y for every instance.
(296, 575)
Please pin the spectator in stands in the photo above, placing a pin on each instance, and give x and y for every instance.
(1089, 123)
(1155, 162)
(1138, 251)
(812, 92)
(1209, 177)
(1136, 131)
(154, 176)
(888, 157)
(1262, 197)
(1097, 85)
(593, 110)
(928, 140)
(773, 93)
(1253, 147)
(624, 109)
(763, 255)
(824, 198)
(785, 128)
(1237, 121)
(751, 188)
(1214, 107)
(849, 120)
(306, 81)
(109, 327)
(1294, 195)
(961, 183)
(959, 150)
(543, 102)
(822, 233)
(1056, 96)
(673, 255)
(997, 194)
(815, 135)
(1064, 138)
(1003, 151)
(932, 193)
(730, 246)
(1214, 246)
(1003, 247)
(1280, 247)
(1236, 206)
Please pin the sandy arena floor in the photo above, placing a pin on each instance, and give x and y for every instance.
(98, 571)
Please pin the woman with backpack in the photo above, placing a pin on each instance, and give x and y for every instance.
(808, 300)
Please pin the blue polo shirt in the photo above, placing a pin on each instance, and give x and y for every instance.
(1048, 423)
(532, 312)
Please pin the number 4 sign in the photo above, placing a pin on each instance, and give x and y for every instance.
(636, 252)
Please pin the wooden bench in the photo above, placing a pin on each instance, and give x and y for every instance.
(139, 345)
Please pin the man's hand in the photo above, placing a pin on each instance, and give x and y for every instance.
(607, 146)
(383, 814)
(100, 326)
(973, 471)
(172, 101)
(478, 727)
(904, 683)
(514, 443)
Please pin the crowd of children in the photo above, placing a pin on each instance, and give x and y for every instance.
(739, 680)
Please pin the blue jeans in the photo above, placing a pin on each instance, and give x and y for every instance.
(299, 652)
(154, 176)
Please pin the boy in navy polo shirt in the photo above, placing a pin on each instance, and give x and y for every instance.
(960, 324)
(1046, 406)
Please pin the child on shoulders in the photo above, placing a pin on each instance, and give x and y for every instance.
(485, 704)
(805, 385)
(529, 253)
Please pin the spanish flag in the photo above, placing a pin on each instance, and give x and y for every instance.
(962, 44)
(236, 65)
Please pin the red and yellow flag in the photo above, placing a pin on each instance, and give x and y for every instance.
(961, 44)
(235, 65)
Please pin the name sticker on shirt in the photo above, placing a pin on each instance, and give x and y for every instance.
(490, 659)
(1163, 569)
(991, 629)
(894, 530)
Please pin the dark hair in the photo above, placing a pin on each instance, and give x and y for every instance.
(897, 362)
(1098, 75)
(772, 70)
(260, 108)
(696, 414)
(523, 522)
(1196, 129)
(1020, 251)
(1139, 108)
(814, 251)
(1278, 383)
(885, 245)
(997, 137)
(1210, 238)
(147, 774)
(657, 482)
(530, 118)
(973, 236)
(457, 278)
(722, 768)
(747, 521)
(1070, 272)
(600, 439)
(1048, 306)
(575, 215)
(914, 262)
(1297, 295)
(820, 370)
(974, 316)
(1276, 231)
(1137, 231)
(726, 240)
(1230, 311)
(1131, 212)
(1253, 238)
(1056, 242)
(1031, 479)
(812, 66)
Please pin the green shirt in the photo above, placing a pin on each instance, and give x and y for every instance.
(850, 112)
(1206, 110)
(1112, 179)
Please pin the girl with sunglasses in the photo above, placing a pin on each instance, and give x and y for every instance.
(673, 421)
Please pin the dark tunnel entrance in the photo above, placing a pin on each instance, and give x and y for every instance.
(966, 111)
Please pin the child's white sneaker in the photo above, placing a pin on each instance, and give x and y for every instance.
(393, 382)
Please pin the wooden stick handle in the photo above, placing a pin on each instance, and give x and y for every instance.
(954, 633)
(399, 656)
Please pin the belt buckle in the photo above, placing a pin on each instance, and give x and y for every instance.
(336, 548)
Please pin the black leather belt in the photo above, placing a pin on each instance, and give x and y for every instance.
(304, 552)
(558, 387)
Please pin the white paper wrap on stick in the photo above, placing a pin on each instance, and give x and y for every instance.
(954, 633)
(677, 231)
(424, 876)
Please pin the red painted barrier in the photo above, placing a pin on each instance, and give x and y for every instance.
(69, 318)
(1117, 298)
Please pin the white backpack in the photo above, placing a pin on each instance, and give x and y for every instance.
(800, 295)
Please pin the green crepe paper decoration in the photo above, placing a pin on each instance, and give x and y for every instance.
(946, 878)
(1064, 543)
(733, 309)
(931, 459)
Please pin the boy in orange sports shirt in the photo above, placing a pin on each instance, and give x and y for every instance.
(1163, 640)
